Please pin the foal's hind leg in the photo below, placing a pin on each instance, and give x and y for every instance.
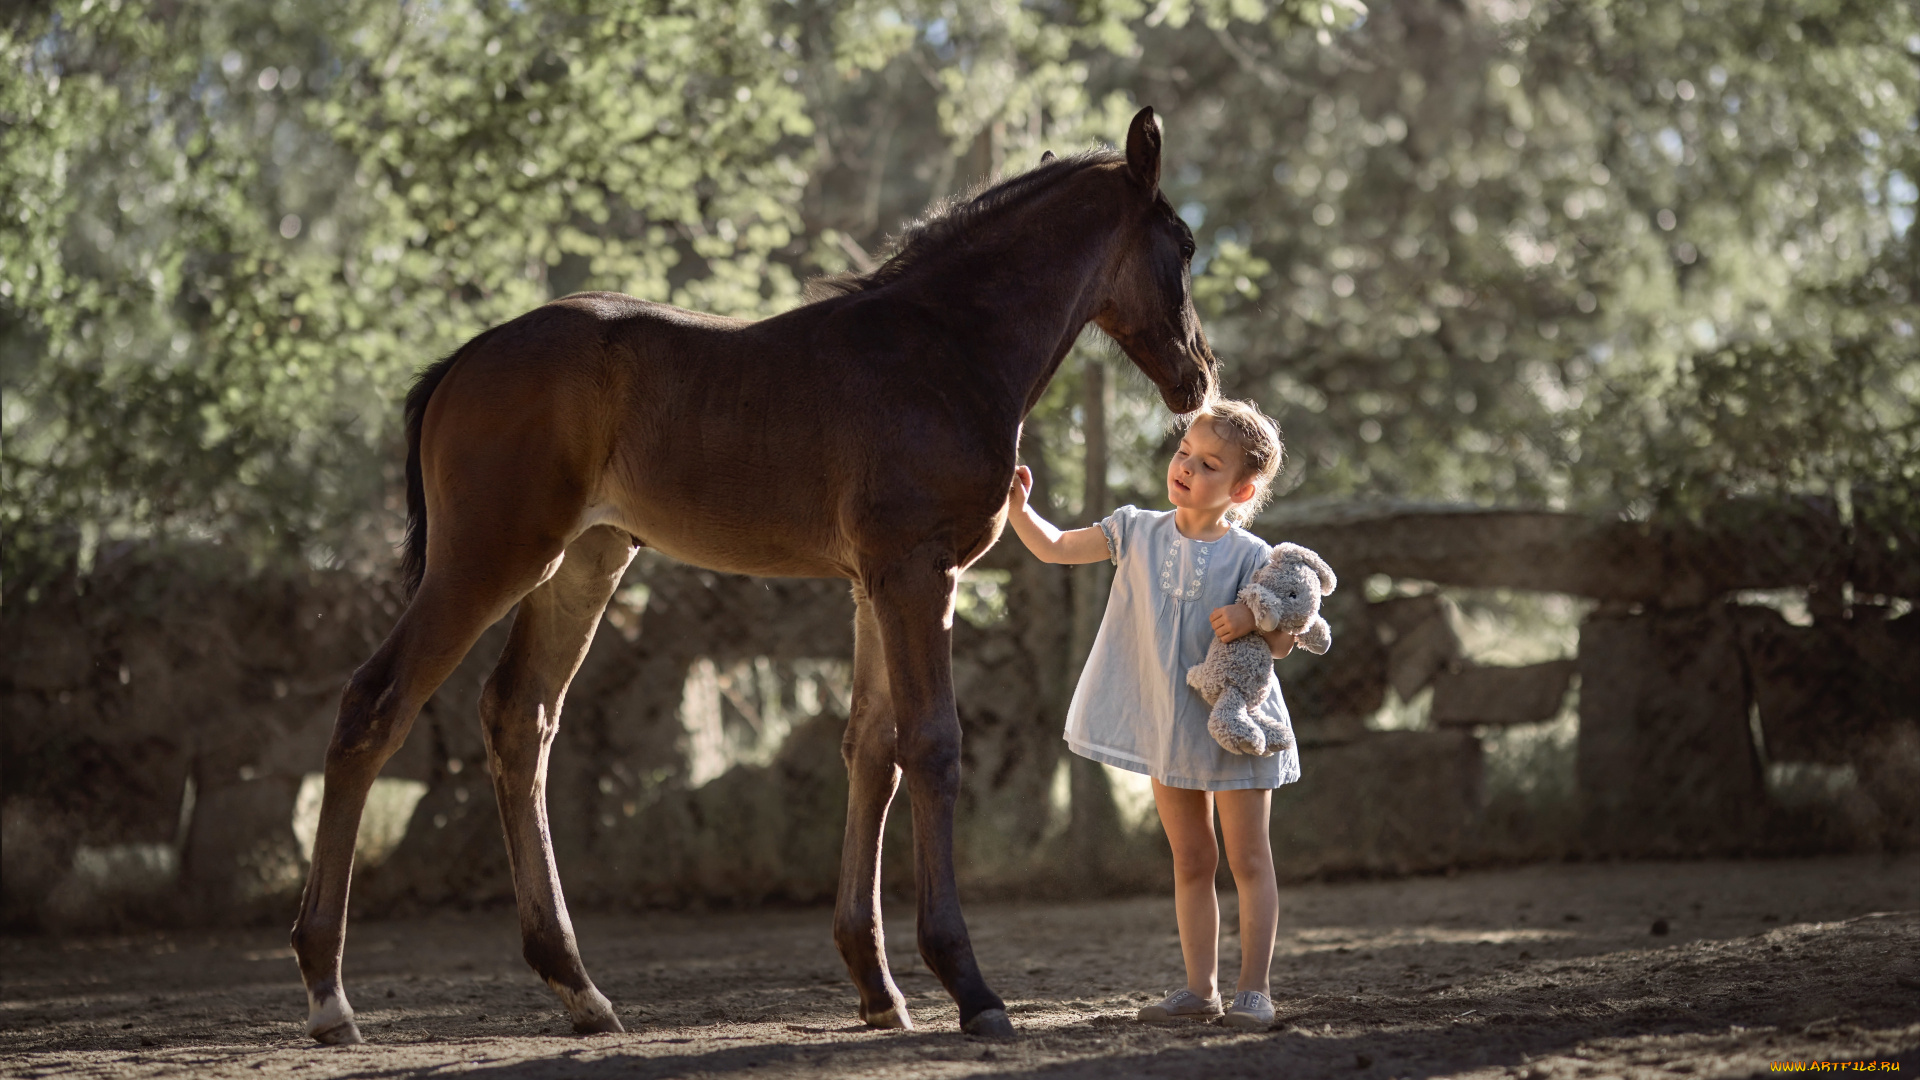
(872, 777)
(520, 713)
(376, 712)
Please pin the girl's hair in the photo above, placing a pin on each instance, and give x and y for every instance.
(1258, 437)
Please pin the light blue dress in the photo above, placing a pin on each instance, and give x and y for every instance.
(1133, 708)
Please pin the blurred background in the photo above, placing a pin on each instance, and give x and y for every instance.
(1589, 323)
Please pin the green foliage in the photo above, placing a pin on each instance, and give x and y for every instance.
(1618, 254)
(242, 227)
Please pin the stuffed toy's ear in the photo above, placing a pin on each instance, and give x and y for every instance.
(1328, 582)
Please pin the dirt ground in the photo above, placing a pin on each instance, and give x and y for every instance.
(1546, 971)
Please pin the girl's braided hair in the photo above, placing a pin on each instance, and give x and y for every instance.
(1258, 437)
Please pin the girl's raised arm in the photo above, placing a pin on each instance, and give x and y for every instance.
(1047, 542)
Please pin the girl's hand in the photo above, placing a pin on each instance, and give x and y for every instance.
(1232, 622)
(1022, 487)
(1047, 543)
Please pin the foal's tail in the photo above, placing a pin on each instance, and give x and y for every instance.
(413, 555)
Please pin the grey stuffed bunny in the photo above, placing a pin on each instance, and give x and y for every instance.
(1283, 595)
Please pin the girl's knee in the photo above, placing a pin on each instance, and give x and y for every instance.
(1195, 862)
(1255, 881)
(1194, 873)
(1244, 829)
(1251, 865)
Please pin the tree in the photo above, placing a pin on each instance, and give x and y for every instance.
(239, 228)
(1620, 256)
(242, 227)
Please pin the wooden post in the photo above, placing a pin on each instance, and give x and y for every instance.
(1094, 830)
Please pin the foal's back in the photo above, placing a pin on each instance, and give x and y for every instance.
(739, 445)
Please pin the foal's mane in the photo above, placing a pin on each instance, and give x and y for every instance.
(954, 222)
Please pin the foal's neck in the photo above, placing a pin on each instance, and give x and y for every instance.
(1026, 290)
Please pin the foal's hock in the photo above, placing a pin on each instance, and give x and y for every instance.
(870, 435)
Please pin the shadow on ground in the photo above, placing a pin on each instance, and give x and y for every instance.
(1547, 971)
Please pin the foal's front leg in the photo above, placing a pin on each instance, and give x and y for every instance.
(914, 606)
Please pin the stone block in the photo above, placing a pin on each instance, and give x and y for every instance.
(1501, 695)
(1392, 802)
(1420, 638)
(1331, 696)
(1739, 544)
(241, 854)
(1825, 691)
(1481, 548)
(1666, 762)
(47, 656)
(1886, 544)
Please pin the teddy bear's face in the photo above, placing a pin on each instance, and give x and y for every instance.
(1295, 584)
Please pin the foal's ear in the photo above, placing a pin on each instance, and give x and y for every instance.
(1046, 157)
(1143, 149)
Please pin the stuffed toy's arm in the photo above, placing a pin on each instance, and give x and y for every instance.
(1317, 638)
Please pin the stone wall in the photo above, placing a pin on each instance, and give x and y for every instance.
(1708, 723)
(163, 718)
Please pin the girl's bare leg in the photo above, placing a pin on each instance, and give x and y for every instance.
(1243, 826)
(1187, 817)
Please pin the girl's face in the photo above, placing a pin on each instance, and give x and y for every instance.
(1205, 473)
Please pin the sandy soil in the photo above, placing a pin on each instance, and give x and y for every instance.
(1547, 971)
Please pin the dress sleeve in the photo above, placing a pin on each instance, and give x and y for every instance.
(1117, 527)
(1262, 551)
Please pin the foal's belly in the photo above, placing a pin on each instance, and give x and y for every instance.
(734, 544)
(741, 559)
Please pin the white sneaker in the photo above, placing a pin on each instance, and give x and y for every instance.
(1252, 1011)
(1184, 1004)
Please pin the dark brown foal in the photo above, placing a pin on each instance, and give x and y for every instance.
(870, 435)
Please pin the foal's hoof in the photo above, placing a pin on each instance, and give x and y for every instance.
(892, 1018)
(989, 1024)
(331, 1023)
(599, 1025)
(344, 1033)
(591, 1011)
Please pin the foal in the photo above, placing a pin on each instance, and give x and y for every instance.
(870, 435)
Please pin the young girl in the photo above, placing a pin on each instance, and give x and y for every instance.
(1174, 589)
